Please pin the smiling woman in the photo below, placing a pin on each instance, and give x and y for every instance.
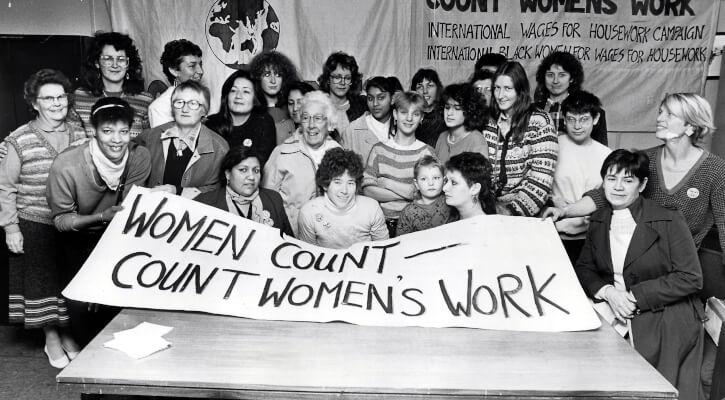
(341, 217)
(86, 185)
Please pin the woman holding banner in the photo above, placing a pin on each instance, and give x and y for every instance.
(86, 186)
(240, 174)
(639, 257)
(34, 279)
(468, 188)
(522, 145)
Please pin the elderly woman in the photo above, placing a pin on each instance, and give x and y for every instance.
(292, 166)
(639, 257)
(240, 174)
(342, 80)
(185, 155)
(522, 145)
(34, 279)
(240, 120)
(181, 62)
(468, 188)
(112, 69)
(341, 217)
(272, 72)
(86, 185)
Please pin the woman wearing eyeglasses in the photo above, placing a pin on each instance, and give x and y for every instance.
(185, 155)
(34, 280)
(240, 120)
(112, 69)
(292, 166)
(342, 80)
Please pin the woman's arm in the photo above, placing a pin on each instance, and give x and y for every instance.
(406, 191)
(370, 184)
(9, 180)
(684, 277)
(378, 228)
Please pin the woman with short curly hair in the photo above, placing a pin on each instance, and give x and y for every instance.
(342, 80)
(341, 217)
(112, 69)
(465, 114)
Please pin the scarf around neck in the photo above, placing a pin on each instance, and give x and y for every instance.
(109, 171)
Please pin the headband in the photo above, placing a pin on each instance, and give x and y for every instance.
(107, 106)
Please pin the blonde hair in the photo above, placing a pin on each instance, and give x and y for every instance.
(322, 98)
(694, 110)
(408, 99)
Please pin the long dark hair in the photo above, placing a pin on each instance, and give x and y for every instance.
(221, 122)
(521, 109)
(276, 62)
(91, 79)
(473, 105)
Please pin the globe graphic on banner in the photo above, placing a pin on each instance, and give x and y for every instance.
(237, 30)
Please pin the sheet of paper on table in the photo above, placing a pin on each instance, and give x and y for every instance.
(141, 341)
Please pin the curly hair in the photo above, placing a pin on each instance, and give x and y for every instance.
(91, 78)
(45, 76)
(475, 168)
(521, 110)
(569, 63)
(221, 122)
(472, 103)
(336, 162)
(173, 54)
(234, 156)
(342, 60)
(111, 109)
(273, 61)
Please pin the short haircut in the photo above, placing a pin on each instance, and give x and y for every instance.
(277, 62)
(428, 74)
(197, 87)
(111, 109)
(569, 63)
(408, 99)
(92, 79)
(475, 168)
(581, 102)
(173, 54)
(44, 77)
(427, 161)
(481, 75)
(694, 110)
(322, 98)
(234, 156)
(490, 60)
(336, 162)
(472, 103)
(343, 60)
(635, 163)
(389, 84)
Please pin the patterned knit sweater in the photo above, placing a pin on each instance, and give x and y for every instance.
(530, 164)
(699, 196)
(387, 160)
(83, 101)
(36, 155)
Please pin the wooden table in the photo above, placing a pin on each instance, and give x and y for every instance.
(225, 357)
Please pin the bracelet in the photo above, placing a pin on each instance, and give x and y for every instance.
(103, 222)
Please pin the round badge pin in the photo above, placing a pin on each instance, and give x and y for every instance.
(693, 193)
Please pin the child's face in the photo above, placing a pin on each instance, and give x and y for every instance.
(429, 182)
(579, 126)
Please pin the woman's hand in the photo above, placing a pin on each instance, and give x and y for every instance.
(623, 303)
(108, 214)
(555, 213)
(501, 209)
(14, 241)
(164, 188)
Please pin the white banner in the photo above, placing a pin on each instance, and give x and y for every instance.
(493, 272)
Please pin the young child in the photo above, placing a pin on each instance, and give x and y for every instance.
(430, 209)
(577, 170)
(389, 176)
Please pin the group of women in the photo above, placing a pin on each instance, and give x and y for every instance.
(333, 167)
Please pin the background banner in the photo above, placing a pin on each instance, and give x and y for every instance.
(166, 252)
(633, 51)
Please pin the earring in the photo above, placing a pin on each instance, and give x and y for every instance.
(127, 76)
(689, 131)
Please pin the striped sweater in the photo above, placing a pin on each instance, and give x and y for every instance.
(387, 160)
(530, 164)
(84, 101)
(36, 155)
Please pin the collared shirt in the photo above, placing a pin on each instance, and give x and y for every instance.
(180, 142)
